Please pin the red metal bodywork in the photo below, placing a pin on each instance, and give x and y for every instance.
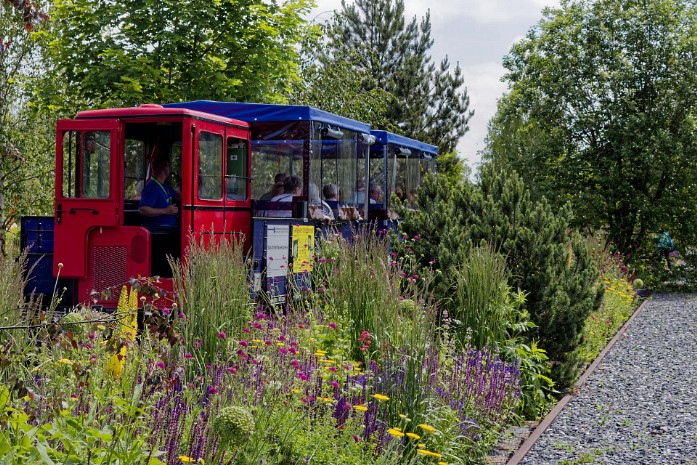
(97, 242)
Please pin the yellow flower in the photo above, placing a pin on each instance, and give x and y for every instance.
(427, 428)
(429, 453)
(421, 445)
(413, 436)
(360, 408)
(280, 344)
(297, 391)
(442, 463)
(320, 353)
(404, 417)
(380, 397)
(65, 361)
(395, 433)
(186, 459)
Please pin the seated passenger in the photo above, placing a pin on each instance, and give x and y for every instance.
(359, 198)
(292, 187)
(316, 201)
(157, 202)
(278, 180)
(375, 193)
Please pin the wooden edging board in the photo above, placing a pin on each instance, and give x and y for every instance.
(547, 421)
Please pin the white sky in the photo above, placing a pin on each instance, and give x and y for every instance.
(476, 34)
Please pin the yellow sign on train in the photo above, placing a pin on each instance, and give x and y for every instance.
(303, 248)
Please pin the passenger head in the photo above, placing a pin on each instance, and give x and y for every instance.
(360, 185)
(375, 192)
(313, 192)
(277, 189)
(280, 177)
(293, 185)
(161, 167)
(331, 192)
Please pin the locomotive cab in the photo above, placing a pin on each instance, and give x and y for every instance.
(105, 160)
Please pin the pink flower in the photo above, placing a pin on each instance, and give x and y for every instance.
(332, 325)
(212, 390)
(335, 384)
(232, 370)
(73, 396)
(283, 350)
(292, 350)
(333, 369)
(160, 365)
(260, 316)
(246, 330)
(258, 326)
(221, 335)
(88, 345)
(302, 376)
(197, 344)
(91, 335)
(188, 355)
(244, 343)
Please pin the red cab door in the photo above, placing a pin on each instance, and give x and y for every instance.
(87, 186)
(208, 196)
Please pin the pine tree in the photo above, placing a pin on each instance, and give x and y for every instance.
(430, 103)
(549, 264)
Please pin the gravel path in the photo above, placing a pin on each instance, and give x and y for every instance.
(640, 405)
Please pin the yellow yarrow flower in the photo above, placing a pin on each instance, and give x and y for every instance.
(442, 463)
(186, 459)
(427, 428)
(413, 436)
(380, 397)
(360, 408)
(429, 453)
(395, 433)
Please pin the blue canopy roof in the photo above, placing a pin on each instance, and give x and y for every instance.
(262, 112)
(385, 137)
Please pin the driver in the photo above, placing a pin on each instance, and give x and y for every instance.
(157, 202)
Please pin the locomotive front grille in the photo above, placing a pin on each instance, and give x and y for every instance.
(109, 267)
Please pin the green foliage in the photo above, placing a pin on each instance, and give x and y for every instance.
(26, 159)
(601, 113)
(212, 290)
(544, 260)
(335, 85)
(390, 53)
(129, 52)
(536, 386)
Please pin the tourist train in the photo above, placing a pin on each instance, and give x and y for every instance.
(275, 177)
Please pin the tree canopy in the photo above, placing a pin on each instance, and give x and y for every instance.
(429, 102)
(131, 51)
(601, 113)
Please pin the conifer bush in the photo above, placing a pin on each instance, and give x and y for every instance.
(545, 260)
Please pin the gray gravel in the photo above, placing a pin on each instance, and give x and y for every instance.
(640, 405)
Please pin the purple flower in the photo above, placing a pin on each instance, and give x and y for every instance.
(244, 343)
(188, 355)
(160, 365)
(332, 325)
(91, 335)
(212, 390)
(221, 335)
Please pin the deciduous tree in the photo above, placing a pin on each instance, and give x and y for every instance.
(601, 113)
(133, 51)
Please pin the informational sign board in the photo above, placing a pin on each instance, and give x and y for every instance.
(303, 241)
(277, 252)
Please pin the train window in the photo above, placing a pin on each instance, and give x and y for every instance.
(134, 171)
(86, 160)
(210, 166)
(236, 176)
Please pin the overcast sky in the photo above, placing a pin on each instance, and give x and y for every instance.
(476, 34)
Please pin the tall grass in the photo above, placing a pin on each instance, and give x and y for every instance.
(360, 287)
(212, 296)
(478, 307)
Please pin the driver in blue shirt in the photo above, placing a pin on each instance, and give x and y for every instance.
(157, 202)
